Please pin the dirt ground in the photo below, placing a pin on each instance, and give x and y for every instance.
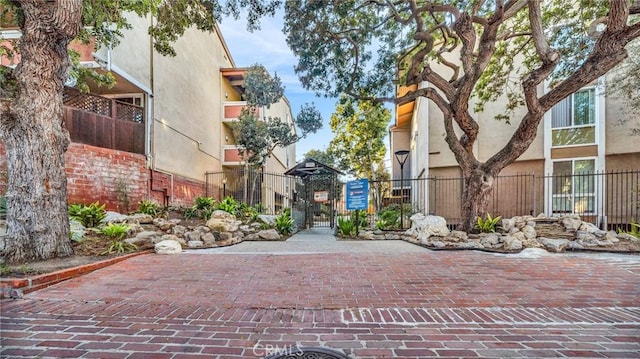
(92, 249)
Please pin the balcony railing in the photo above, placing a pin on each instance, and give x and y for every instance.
(102, 122)
(103, 106)
(233, 109)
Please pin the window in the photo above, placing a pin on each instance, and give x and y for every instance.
(574, 186)
(573, 120)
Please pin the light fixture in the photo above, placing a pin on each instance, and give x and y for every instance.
(402, 156)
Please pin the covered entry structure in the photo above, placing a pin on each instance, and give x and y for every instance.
(316, 194)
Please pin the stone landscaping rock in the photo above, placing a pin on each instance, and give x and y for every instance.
(222, 221)
(168, 247)
(267, 219)
(209, 239)
(529, 232)
(192, 236)
(512, 244)
(269, 234)
(554, 245)
(571, 224)
(140, 218)
(424, 227)
(179, 230)
(113, 217)
(195, 244)
(77, 230)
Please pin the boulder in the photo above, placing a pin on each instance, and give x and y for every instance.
(554, 245)
(423, 227)
(168, 247)
(507, 224)
(585, 236)
(518, 235)
(252, 237)
(529, 232)
(162, 224)
(490, 240)
(269, 234)
(179, 230)
(140, 218)
(222, 221)
(144, 236)
(459, 234)
(192, 236)
(208, 239)
(77, 230)
(195, 244)
(588, 227)
(571, 224)
(225, 235)
(113, 217)
(512, 244)
(268, 219)
(169, 237)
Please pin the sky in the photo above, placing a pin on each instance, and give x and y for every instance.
(268, 47)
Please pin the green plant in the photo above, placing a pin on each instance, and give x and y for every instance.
(4, 270)
(487, 225)
(204, 202)
(228, 205)
(119, 246)
(634, 230)
(3, 207)
(247, 212)
(89, 215)
(389, 218)
(148, 207)
(284, 223)
(115, 230)
(346, 227)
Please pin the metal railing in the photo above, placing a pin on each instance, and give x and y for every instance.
(611, 200)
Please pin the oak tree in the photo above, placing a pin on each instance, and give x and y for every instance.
(488, 47)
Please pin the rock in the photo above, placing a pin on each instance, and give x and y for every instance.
(518, 235)
(459, 234)
(114, 217)
(239, 234)
(426, 226)
(208, 239)
(490, 240)
(222, 221)
(531, 223)
(438, 244)
(392, 236)
(554, 245)
(585, 236)
(140, 218)
(529, 232)
(252, 237)
(532, 253)
(168, 247)
(162, 224)
(507, 224)
(269, 234)
(571, 224)
(247, 229)
(268, 219)
(588, 227)
(611, 236)
(531, 243)
(77, 230)
(148, 235)
(195, 244)
(473, 244)
(605, 243)
(169, 237)
(512, 244)
(179, 230)
(225, 235)
(575, 245)
(192, 236)
(519, 222)
(202, 229)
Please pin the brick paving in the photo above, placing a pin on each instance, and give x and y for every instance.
(369, 305)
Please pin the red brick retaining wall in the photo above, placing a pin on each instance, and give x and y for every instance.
(116, 178)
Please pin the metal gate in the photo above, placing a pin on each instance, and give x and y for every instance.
(318, 192)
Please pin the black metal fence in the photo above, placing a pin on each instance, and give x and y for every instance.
(610, 200)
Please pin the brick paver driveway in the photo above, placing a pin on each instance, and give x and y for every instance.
(369, 305)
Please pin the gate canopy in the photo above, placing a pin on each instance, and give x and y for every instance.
(310, 167)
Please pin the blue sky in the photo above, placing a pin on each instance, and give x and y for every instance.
(268, 47)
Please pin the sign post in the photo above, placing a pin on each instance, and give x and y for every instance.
(357, 197)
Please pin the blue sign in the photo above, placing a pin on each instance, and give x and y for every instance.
(358, 194)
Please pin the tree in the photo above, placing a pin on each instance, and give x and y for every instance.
(256, 137)
(31, 123)
(488, 47)
(359, 128)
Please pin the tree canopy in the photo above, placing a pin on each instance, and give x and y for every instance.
(456, 53)
(258, 137)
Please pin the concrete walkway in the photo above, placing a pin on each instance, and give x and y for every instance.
(367, 299)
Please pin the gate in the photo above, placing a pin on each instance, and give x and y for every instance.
(317, 194)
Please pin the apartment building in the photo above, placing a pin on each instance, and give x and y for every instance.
(163, 125)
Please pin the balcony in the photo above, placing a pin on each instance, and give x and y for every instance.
(232, 109)
(103, 122)
(231, 156)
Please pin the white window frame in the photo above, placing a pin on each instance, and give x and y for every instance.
(595, 125)
(572, 195)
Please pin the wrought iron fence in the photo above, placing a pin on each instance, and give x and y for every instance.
(611, 200)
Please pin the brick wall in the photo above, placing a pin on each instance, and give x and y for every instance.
(116, 178)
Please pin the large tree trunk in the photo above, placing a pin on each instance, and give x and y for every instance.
(478, 186)
(35, 137)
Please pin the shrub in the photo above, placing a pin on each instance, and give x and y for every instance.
(89, 215)
(228, 205)
(634, 230)
(284, 223)
(148, 207)
(346, 227)
(115, 230)
(389, 218)
(204, 203)
(119, 246)
(247, 212)
(487, 225)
